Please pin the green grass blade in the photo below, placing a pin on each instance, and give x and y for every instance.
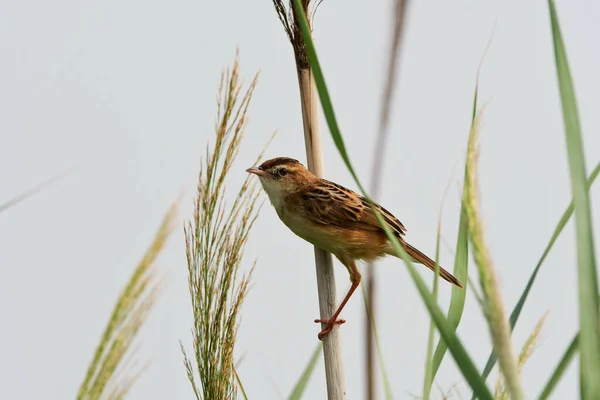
(455, 346)
(461, 264)
(428, 381)
(463, 361)
(457, 300)
(239, 382)
(514, 316)
(560, 368)
(387, 388)
(322, 88)
(589, 321)
(300, 386)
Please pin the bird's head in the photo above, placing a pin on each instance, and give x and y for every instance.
(281, 176)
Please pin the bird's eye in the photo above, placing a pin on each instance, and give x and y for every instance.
(282, 172)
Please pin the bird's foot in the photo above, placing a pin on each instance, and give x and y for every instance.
(330, 323)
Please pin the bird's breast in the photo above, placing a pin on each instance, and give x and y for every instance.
(354, 243)
(319, 235)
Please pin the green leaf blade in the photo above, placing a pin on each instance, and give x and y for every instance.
(428, 381)
(516, 312)
(387, 388)
(302, 383)
(457, 300)
(560, 369)
(461, 266)
(455, 346)
(589, 321)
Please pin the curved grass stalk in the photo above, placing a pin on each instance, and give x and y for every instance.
(501, 392)
(108, 374)
(493, 306)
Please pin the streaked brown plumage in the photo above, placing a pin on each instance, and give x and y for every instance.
(334, 219)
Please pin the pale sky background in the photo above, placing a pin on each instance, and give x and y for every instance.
(125, 92)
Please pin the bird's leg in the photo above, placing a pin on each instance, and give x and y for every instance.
(355, 279)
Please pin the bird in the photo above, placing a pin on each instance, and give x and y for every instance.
(334, 219)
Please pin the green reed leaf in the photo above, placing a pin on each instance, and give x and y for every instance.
(589, 320)
(457, 350)
(302, 383)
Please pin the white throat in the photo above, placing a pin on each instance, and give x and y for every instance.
(276, 194)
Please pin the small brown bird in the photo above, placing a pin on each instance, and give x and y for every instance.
(334, 219)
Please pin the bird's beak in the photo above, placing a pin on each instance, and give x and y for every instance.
(255, 171)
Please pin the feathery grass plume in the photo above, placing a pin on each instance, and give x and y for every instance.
(493, 307)
(112, 371)
(215, 241)
(501, 391)
(290, 18)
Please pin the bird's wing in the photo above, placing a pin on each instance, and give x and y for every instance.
(331, 204)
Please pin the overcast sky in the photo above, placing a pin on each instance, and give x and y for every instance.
(125, 93)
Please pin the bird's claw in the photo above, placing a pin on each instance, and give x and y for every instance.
(330, 324)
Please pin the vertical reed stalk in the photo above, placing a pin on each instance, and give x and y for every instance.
(376, 177)
(113, 370)
(334, 371)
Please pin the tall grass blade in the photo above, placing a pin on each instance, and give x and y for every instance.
(560, 369)
(300, 387)
(387, 387)
(457, 350)
(589, 320)
(461, 261)
(429, 365)
(109, 374)
(562, 366)
(428, 381)
(457, 300)
(239, 382)
(516, 312)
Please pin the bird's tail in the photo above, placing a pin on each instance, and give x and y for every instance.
(429, 263)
